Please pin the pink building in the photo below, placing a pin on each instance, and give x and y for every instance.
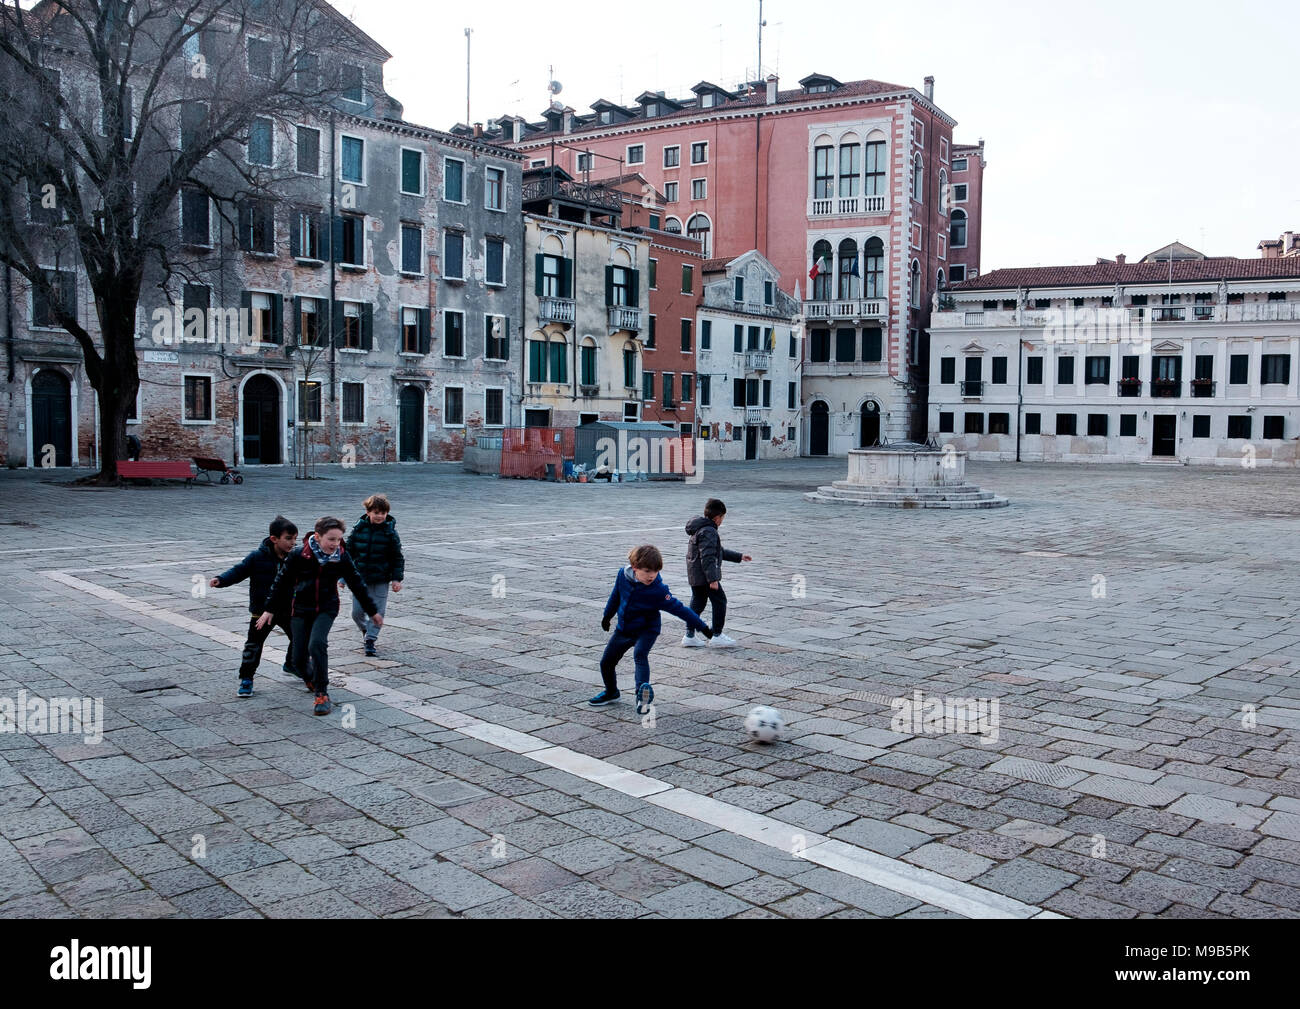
(851, 176)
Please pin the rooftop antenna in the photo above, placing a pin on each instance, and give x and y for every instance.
(468, 32)
(553, 88)
(761, 25)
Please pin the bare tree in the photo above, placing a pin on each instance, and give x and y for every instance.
(112, 109)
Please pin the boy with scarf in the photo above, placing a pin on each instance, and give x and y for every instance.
(307, 585)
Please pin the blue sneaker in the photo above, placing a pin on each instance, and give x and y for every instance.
(644, 695)
(604, 697)
(245, 689)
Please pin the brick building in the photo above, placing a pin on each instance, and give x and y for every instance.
(851, 175)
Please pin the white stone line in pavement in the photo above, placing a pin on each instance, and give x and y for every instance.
(639, 530)
(880, 870)
(88, 547)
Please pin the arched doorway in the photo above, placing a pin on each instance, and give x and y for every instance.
(51, 417)
(819, 434)
(410, 427)
(869, 425)
(262, 431)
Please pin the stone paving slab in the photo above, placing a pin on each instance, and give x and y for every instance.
(1145, 762)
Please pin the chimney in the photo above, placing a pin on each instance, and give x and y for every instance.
(1119, 260)
(929, 89)
(478, 130)
(772, 81)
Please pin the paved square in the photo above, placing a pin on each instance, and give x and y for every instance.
(1135, 625)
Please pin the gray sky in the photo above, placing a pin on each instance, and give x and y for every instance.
(1112, 126)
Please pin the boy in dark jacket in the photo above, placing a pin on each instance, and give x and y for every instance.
(260, 568)
(704, 557)
(376, 551)
(307, 585)
(638, 597)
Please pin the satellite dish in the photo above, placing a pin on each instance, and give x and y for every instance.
(557, 106)
(555, 87)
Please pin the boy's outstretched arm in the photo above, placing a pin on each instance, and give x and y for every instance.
(236, 574)
(671, 604)
(735, 556)
(611, 605)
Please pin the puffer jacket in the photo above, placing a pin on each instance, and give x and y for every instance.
(260, 568)
(704, 552)
(377, 550)
(638, 606)
(305, 586)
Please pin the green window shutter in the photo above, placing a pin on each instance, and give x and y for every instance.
(367, 326)
(336, 238)
(634, 294)
(538, 266)
(295, 250)
(337, 317)
(609, 285)
(245, 227)
(740, 339)
(425, 323)
(505, 338)
(277, 318)
(297, 319)
(566, 278)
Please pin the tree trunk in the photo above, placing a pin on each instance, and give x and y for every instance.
(118, 383)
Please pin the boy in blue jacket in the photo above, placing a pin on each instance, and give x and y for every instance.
(260, 568)
(638, 597)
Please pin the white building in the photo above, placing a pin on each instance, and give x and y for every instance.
(1179, 357)
(748, 362)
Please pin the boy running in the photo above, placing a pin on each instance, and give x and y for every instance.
(307, 586)
(376, 551)
(260, 568)
(704, 557)
(639, 595)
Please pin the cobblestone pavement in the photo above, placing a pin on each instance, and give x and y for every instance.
(1136, 626)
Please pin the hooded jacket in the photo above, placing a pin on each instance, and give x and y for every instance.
(638, 606)
(260, 568)
(304, 586)
(376, 550)
(704, 552)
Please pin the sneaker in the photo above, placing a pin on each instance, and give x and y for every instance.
(370, 647)
(245, 689)
(603, 698)
(323, 705)
(644, 695)
(689, 641)
(723, 641)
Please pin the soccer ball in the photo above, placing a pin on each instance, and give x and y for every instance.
(764, 724)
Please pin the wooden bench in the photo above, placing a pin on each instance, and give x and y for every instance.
(160, 470)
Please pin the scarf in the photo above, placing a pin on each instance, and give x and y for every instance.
(321, 556)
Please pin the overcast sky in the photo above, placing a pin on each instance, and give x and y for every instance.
(1112, 126)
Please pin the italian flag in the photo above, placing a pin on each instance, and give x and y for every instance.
(819, 267)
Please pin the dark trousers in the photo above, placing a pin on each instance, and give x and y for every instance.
(619, 643)
(702, 594)
(252, 655)
(311, 640)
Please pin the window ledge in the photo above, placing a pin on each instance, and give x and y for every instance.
(261, 255)
(197, 423)
(198, 246)
(409, 273)
(409, 353)
(308, 261)
(403, 192)
(453, 280)
(352, 350)
(353, 267)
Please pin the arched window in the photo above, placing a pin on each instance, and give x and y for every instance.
(876, 166)
(698, 227)
(914, 293)
(587, 363)
(673, 226)
(940, 281)
(850, 168)
(821, 283)
(943, 191)
(823, 168)
(874, 254)
(537, 357)
(850, 275)
(918, 180)
(957, 230)
(559, 360)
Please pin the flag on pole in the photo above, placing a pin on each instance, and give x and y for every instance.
(854, 272)
(818, 268)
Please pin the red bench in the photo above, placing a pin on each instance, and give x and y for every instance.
(156, 471)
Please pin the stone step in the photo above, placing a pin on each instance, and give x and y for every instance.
(952, 490)
(970, 493)
(908, 501)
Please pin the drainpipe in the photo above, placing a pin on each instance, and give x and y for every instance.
(334, 251)
(9, 320)
(1020, 398)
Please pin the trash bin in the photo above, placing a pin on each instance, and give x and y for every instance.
(550, 471)
(568, 469)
